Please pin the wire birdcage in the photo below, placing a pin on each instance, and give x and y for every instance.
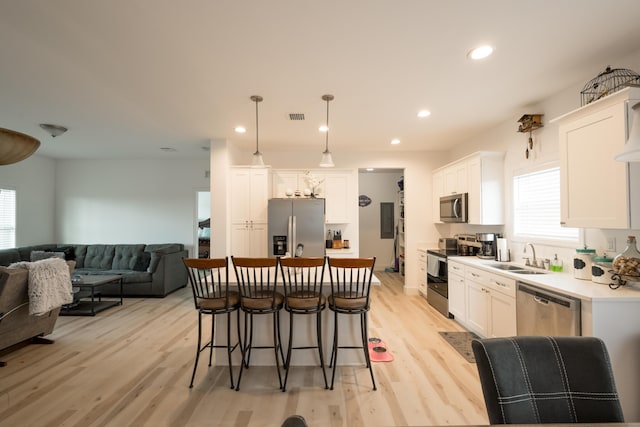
(608, 82)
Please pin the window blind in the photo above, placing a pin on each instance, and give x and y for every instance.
(7, 218)
(536, 206)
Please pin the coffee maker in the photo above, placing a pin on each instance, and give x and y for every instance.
(487, 245)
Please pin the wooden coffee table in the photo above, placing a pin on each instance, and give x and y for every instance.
(92, 283)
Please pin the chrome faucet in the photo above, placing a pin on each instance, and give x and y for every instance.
(534, 261)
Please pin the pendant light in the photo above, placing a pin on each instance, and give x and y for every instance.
(631, 150)
(327, 161)
(257, 156)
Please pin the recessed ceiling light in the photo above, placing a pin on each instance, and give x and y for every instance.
(424, 113)
(480, 52)
(370, 169)
(240, 129)
(323, 128)
(395, 141)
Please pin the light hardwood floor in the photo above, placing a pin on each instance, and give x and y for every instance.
(131, 365)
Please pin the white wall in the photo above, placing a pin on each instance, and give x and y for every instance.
(128, 201)
(379, 186)
(34, 182)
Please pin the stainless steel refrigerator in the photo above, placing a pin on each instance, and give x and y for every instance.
(296, 227)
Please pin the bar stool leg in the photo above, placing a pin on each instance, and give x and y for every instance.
(195, 366)
(213, 323)
(288, 361)
(334, 352)
(365, 346)
(320, 352)
(276, 334)
(229, 348)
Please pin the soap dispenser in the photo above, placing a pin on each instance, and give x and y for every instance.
(556, 264)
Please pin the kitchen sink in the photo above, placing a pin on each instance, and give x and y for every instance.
(507, 267)
(515, 269)
(523, 271)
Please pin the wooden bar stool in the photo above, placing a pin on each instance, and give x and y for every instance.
(211, 295)
(302, 278)
(257, 279)
(350, 288)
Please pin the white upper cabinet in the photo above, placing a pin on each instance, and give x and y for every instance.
(249, 194)
(455, 178)
(596, 191)
(339, 202)
(481, 176)
(486, 194)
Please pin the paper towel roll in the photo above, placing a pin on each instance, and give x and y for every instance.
(502, 252)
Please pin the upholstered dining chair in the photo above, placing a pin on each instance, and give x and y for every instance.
(302, 279)
(350, 290)
(211, 295)
(257, 279)
(536, 380)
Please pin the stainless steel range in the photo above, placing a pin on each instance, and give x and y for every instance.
(437, 276)
(437, 282)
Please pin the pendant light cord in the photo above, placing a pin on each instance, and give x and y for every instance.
(326, 141)
(257, 150)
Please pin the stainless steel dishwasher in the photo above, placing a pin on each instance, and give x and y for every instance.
(543, 312)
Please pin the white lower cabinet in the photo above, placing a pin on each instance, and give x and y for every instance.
(422, 272)
(490, 303)
(457, 292)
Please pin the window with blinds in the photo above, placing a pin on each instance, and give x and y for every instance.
(536, 207)
(7, 218)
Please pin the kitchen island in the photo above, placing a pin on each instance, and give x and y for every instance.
(610, 314)
(304, 333)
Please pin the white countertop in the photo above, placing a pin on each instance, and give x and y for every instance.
(562, 282)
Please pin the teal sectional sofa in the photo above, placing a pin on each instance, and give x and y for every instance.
(148, 270)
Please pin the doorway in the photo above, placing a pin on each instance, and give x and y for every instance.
(378, 189)
(203, 224)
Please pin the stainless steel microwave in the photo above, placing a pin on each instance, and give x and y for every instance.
(453, 208)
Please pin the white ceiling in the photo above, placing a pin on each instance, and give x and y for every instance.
(128, 77)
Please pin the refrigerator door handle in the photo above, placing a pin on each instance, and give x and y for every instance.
(294, 243)
(290, 234)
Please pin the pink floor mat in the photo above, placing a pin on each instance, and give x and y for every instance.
(378, 351)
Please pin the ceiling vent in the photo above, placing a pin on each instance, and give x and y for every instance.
(296, 116)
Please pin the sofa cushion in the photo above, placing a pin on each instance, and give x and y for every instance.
(39, 255)
(25, 251)
(157, 250)
(80, 253)
(126, 257)
(129, 276)
(9, 256)
(99, 256)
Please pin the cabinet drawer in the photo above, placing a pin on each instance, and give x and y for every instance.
(502, 284)
(422, 256)
(455, 268)
(477, 275)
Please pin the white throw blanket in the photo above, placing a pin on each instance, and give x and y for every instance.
(49, 284)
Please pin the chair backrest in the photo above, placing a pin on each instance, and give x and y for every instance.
(351, 279)
(208, 278)
(533, 380)
(302, 279)
(256, 277)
